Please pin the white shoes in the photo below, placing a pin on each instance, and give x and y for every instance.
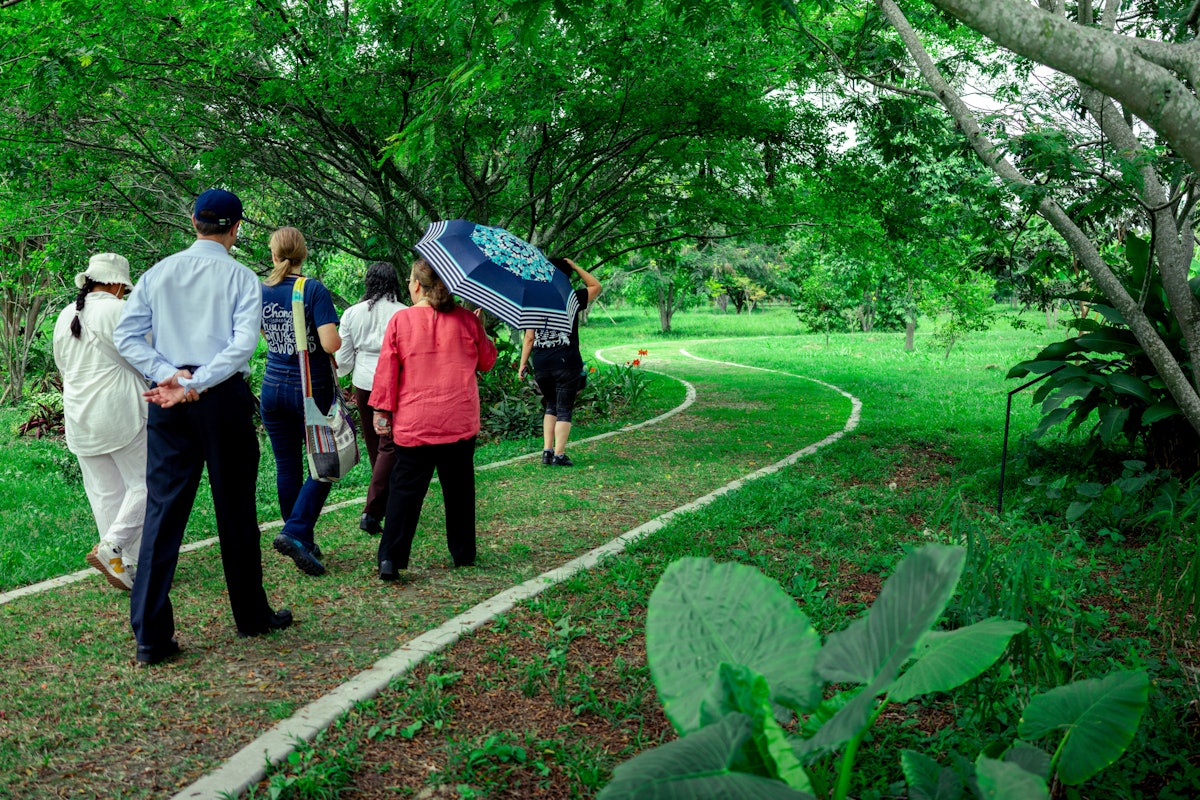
(107, 558)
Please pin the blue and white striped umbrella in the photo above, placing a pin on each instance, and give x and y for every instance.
(501, 272)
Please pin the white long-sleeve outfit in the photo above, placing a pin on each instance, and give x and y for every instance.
(362, 329)
(105, 420)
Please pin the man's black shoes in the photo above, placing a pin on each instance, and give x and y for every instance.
(276, 622)
(150, 654)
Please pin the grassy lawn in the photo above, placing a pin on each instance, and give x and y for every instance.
(547, 699)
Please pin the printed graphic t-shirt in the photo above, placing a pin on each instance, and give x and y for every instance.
(554, 350)
(282, 361)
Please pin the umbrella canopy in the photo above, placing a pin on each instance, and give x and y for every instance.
(501, 272)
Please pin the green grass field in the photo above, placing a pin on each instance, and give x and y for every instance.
(549, 698)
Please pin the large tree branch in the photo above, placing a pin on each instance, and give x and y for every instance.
(1100, 59)
(1108, 283)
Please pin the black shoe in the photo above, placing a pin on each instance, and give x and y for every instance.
(547, 456)
(563, 461)
(387, 571)
(369, 524)
(305, 558)
(150, 654)
(276, 622)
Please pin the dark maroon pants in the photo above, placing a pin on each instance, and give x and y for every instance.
(382, 455)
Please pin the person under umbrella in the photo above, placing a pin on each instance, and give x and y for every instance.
(426, 398)
(557, 367)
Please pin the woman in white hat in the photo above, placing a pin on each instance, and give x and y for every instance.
(105, 415)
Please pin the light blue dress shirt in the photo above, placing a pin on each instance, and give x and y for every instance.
(201, 307)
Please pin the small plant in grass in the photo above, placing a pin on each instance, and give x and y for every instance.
(735, 661)
(44, 412)
(619, 387)
(311, 772)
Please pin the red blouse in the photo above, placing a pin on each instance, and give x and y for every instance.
(426, 375)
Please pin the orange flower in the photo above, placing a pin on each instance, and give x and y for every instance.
(591, 369)
(636, 362)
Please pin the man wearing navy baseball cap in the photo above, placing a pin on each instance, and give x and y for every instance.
(203, 311)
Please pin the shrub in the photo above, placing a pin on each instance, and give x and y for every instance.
(1105, 375)
(734, 660)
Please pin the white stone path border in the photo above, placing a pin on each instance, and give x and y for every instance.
(248, 766)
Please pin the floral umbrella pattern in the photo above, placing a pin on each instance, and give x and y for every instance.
(501, 272)
(516, 255)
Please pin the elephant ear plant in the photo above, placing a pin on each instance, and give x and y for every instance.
(745, 680)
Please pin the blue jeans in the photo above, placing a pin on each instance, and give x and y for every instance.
(300, 497)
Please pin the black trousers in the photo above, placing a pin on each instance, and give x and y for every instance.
(455, 465)
(218, 431)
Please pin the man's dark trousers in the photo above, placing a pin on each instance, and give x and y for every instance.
(217, 430)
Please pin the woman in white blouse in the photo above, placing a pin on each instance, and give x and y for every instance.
(362, 328)
(105, 415)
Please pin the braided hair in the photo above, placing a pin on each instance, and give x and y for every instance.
(88, 286)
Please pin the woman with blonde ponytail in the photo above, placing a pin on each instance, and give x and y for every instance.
(300, 497)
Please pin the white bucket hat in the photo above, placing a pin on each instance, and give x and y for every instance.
(105, 268)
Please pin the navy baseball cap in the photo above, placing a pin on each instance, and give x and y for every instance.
(218, 207)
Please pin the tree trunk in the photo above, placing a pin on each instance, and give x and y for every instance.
(666, 307)
(1174, 257)
(910, 321)
(1156, 350)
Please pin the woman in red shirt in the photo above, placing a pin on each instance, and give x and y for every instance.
(426, 397)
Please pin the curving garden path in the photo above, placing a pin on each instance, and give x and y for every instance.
(81, 717)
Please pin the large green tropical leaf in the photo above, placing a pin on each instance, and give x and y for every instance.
(703, 614)
(740, 689)
(1137, 253)
(947, 659)
(1030, 759)
(872, 650)
(1156, 413)
(929, 780)
(910, 602)
(697, 767)
(1110, 314)
(1109, 340)
(1005, 780)
(1099, 717)
(1125, 383)
(1112, 421)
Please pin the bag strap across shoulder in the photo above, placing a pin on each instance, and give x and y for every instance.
(301, 331)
